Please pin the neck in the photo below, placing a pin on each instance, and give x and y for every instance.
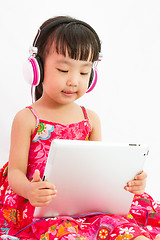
(46, 102)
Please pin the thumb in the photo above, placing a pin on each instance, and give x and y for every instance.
(36, 176)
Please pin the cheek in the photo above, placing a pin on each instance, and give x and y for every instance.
(86, 82)
(84, 86)
(51, 79)
(50, 85)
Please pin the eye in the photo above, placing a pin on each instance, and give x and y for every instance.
(61, 70)
(83, 74)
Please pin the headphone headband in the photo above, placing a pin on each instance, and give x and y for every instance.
(58, 22)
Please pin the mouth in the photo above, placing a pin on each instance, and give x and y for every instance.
(69, 93)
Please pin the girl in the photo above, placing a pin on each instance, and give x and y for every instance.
(63, 55)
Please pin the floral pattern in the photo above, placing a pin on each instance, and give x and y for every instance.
(43, 131)
(12, 215)
(126, 236)
(67, 230)
(16, 213)
(7, 237)
(103, 233)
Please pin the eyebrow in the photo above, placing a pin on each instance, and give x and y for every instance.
(87, 64)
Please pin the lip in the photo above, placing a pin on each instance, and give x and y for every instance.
(69, 93)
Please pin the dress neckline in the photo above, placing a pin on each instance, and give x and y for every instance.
(38, 120)
(61, 124)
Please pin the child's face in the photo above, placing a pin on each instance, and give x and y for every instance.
(65, 79)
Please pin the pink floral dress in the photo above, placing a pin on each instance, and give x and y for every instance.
(16, 213)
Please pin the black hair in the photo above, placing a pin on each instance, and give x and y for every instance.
(74, 37)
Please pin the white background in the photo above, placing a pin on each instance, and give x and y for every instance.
(127, 95)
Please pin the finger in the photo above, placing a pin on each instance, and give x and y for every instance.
(47, 185)
(47, 192)
(41, 204)
(36, 176)
(44, 195)
(141, 176)
(136, 188)
(136, 183)
(45, 200)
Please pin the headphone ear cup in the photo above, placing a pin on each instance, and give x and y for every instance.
(33, 70)
(92, 80)
(41, 69)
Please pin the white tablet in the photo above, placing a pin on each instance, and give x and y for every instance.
(90, 177)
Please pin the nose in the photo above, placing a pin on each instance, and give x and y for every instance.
(72, 80)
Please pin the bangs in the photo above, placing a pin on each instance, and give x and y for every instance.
(74, 40)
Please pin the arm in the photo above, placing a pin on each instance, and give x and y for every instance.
(95, 125)
(22, 129)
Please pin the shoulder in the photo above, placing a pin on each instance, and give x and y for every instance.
(24, 119)
(95, 125)
(93, 116)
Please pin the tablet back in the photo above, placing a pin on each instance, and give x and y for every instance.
(90, 177)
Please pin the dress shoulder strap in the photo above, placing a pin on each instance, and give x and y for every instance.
(84, 112)
(35, 114)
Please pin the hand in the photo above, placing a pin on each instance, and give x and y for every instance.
(137, 186)
(41, 192)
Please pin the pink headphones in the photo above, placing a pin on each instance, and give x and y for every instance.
(33, 68)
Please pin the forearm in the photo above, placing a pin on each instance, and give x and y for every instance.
(18, 182)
